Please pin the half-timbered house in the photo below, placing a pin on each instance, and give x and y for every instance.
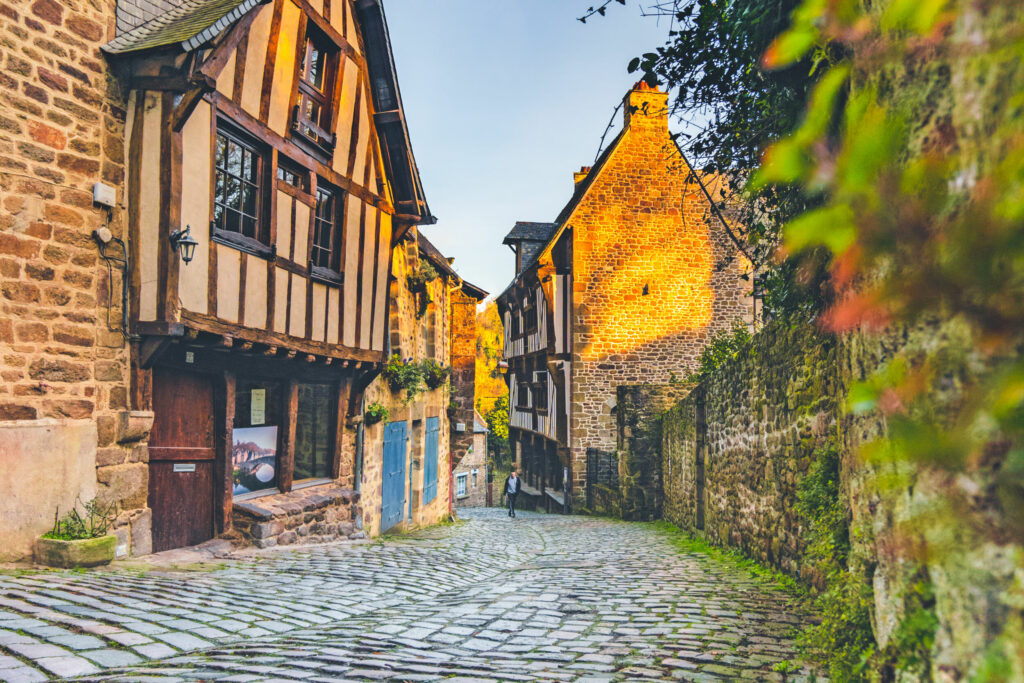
(625, 286)
(258, 183)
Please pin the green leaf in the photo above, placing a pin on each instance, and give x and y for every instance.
(633, 65)
(830, 226)
(862, 398)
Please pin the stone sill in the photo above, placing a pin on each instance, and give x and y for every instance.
(306, 499)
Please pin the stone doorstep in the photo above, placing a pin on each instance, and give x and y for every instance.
(294, 502)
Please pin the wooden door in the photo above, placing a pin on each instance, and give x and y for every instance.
(181, 459)
(393, 484)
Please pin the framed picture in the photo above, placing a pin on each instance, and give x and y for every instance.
(254, 459)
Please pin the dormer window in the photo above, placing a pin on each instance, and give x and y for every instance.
(316, 90)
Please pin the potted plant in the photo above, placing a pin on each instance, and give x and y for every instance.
(376, 412)
(78, 540)
(417, 282)
(434, 374)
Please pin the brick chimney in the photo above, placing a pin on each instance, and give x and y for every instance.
(580, 175)
(646, 106)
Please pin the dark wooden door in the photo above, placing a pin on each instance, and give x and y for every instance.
(181, 459)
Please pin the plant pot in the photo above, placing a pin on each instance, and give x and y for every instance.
(86, 552)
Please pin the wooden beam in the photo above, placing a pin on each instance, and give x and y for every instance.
(150, 350)
(259, 130)
(287, 456)
(221, 54)
(224, 421)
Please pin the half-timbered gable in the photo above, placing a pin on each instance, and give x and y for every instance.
(260, 137)
(269, 181)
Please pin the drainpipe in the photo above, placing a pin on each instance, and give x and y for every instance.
(359, 446)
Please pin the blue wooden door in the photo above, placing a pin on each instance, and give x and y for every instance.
(393, 485)
(430, 460)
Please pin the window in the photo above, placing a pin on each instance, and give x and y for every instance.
(540, 396)
(523, 396)
(238, 186)
(255, 437)
(530, 319)
(325, 253)
(431, 331)
(460, 485)
(292, 175)
(313, 424)
(475, 472)
(316, 89)
(515, 324)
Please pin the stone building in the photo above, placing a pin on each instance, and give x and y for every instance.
(625, 286)
(471, 472)
(208, 213)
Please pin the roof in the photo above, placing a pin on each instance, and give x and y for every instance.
(188, 24)
(559, 226)
(434, 255)
(535, 232)
(479, 425)
(474, 291)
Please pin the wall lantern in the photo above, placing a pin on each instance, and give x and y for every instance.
(183, 240)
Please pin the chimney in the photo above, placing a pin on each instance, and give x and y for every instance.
(580, 175)
(646, 106)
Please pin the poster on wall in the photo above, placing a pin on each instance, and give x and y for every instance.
(254, 459)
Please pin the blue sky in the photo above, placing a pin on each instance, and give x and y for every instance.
(504, 100)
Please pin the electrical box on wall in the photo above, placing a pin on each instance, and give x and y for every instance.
(460, 426)
(104, 195)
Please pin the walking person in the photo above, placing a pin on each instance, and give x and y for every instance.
(511, 489)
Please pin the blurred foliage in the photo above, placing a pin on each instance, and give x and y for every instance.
(490, 382)
(497, 434)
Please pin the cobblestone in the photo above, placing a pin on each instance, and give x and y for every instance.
(536, 598)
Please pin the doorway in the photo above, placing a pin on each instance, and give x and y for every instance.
(181, 459)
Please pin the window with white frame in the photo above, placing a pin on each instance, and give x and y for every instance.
(460, 485)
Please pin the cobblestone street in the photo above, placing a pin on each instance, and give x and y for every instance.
(536, 598)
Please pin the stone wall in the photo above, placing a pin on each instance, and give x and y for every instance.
(639, 409)
(463, 378)
(408, 338)
(770, 412)
(61, 131)
(475, 459)
(653, 276)
(318, 514)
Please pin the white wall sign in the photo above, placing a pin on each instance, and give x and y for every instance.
(258, 407)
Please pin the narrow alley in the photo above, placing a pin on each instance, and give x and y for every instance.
(539, 598)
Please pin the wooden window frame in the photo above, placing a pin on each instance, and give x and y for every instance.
(529, 321)
(260, 245)
(292, 174)
(522, 398)
(462, 477)
(540, 391)
(316, 136)
(332, 272)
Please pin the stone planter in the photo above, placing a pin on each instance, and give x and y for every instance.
(86, 552)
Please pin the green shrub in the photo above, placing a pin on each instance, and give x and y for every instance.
(73, 526)
(404, 375)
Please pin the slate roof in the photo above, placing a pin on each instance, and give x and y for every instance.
(479, 426)
(525, 230)
(190, 23)
(434, 255)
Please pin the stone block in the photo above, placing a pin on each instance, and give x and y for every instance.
(134, 425)
(286, 538)
(142, 533)
(91, 552)
(126, 485)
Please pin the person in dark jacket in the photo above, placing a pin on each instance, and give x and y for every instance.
(513, 484)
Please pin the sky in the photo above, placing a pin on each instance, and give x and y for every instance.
(504, 100)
